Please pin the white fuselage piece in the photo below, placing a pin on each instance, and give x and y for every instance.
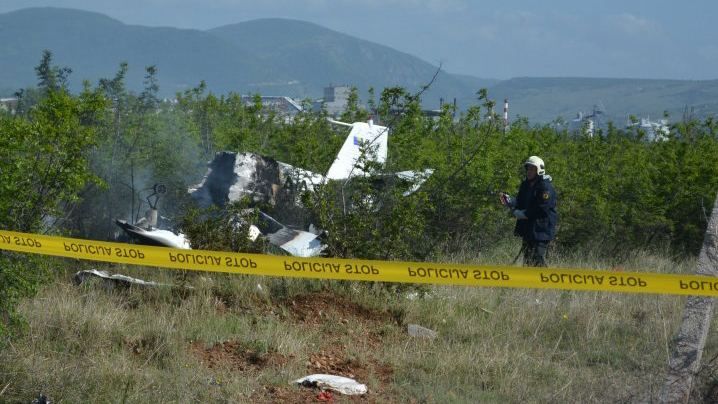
(374, 138)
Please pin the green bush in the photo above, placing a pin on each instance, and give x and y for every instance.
(43, 167)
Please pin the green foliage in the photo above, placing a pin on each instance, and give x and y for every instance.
(20, 276)
(43, 167)
(225, 229)
(353, 111)
(368, 217)
(44, 158)
(102, 150)
(307, 141)
(51, 78)
(473, 158)
(142, 142)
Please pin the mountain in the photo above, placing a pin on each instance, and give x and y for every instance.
(94, 45)
(310, 56)
(545, 99)
(299, 59)
(272, 57)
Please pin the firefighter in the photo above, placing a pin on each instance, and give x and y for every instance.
(535, 212)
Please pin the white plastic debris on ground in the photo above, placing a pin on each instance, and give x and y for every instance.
(82, 276)
(339, 384)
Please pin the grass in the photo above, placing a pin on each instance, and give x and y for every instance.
(243, 339)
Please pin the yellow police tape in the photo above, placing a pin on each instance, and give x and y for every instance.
(361, 270)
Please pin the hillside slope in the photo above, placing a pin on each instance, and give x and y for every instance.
(309, 56)
(94, 45)
(298, 59)
(267, 56)
(545, 99)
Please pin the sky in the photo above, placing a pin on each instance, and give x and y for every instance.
(499, 39)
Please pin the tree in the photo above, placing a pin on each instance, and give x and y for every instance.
(43, 166)
(51, 78)
(353, 111)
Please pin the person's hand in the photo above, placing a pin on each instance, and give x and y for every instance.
(506, 199)
(520, 214)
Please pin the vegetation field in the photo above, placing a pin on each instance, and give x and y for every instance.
(71, 164)
(244, 339)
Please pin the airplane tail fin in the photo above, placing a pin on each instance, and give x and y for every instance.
(362, 133)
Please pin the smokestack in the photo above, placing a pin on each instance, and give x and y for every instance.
(506, 113)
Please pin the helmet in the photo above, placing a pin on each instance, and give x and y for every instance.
(536, 162)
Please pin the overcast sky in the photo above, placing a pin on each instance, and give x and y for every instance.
(497, 39)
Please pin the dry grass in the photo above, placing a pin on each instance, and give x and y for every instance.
(229, 341)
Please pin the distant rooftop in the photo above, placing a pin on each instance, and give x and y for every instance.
(277, 103)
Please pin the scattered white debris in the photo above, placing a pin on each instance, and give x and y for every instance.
(298, 243)
(253, 233)
(154, 237)
(339, 384)
(234, 176)
(116, 279)
(418, 331)
(302, 244)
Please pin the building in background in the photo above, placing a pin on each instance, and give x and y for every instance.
(8, 104)
(651, 130)
(281, 105)
(335, 101)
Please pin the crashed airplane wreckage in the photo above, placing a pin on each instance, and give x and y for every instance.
(235, 176)
(155, 237)
(145, 231)
(296, 242)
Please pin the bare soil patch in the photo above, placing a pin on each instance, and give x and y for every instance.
(316, 308)
(337, 317)
(236, 355)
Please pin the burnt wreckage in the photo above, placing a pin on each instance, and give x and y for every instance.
(233, 177)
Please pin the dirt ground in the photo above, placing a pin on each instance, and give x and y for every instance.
(323, 311)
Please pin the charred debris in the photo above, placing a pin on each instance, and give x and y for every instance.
(263, 182)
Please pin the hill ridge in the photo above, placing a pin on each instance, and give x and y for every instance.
(296, 58)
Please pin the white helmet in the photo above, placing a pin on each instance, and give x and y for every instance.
(536, 162)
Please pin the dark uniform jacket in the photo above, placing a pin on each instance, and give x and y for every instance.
(539, 202)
